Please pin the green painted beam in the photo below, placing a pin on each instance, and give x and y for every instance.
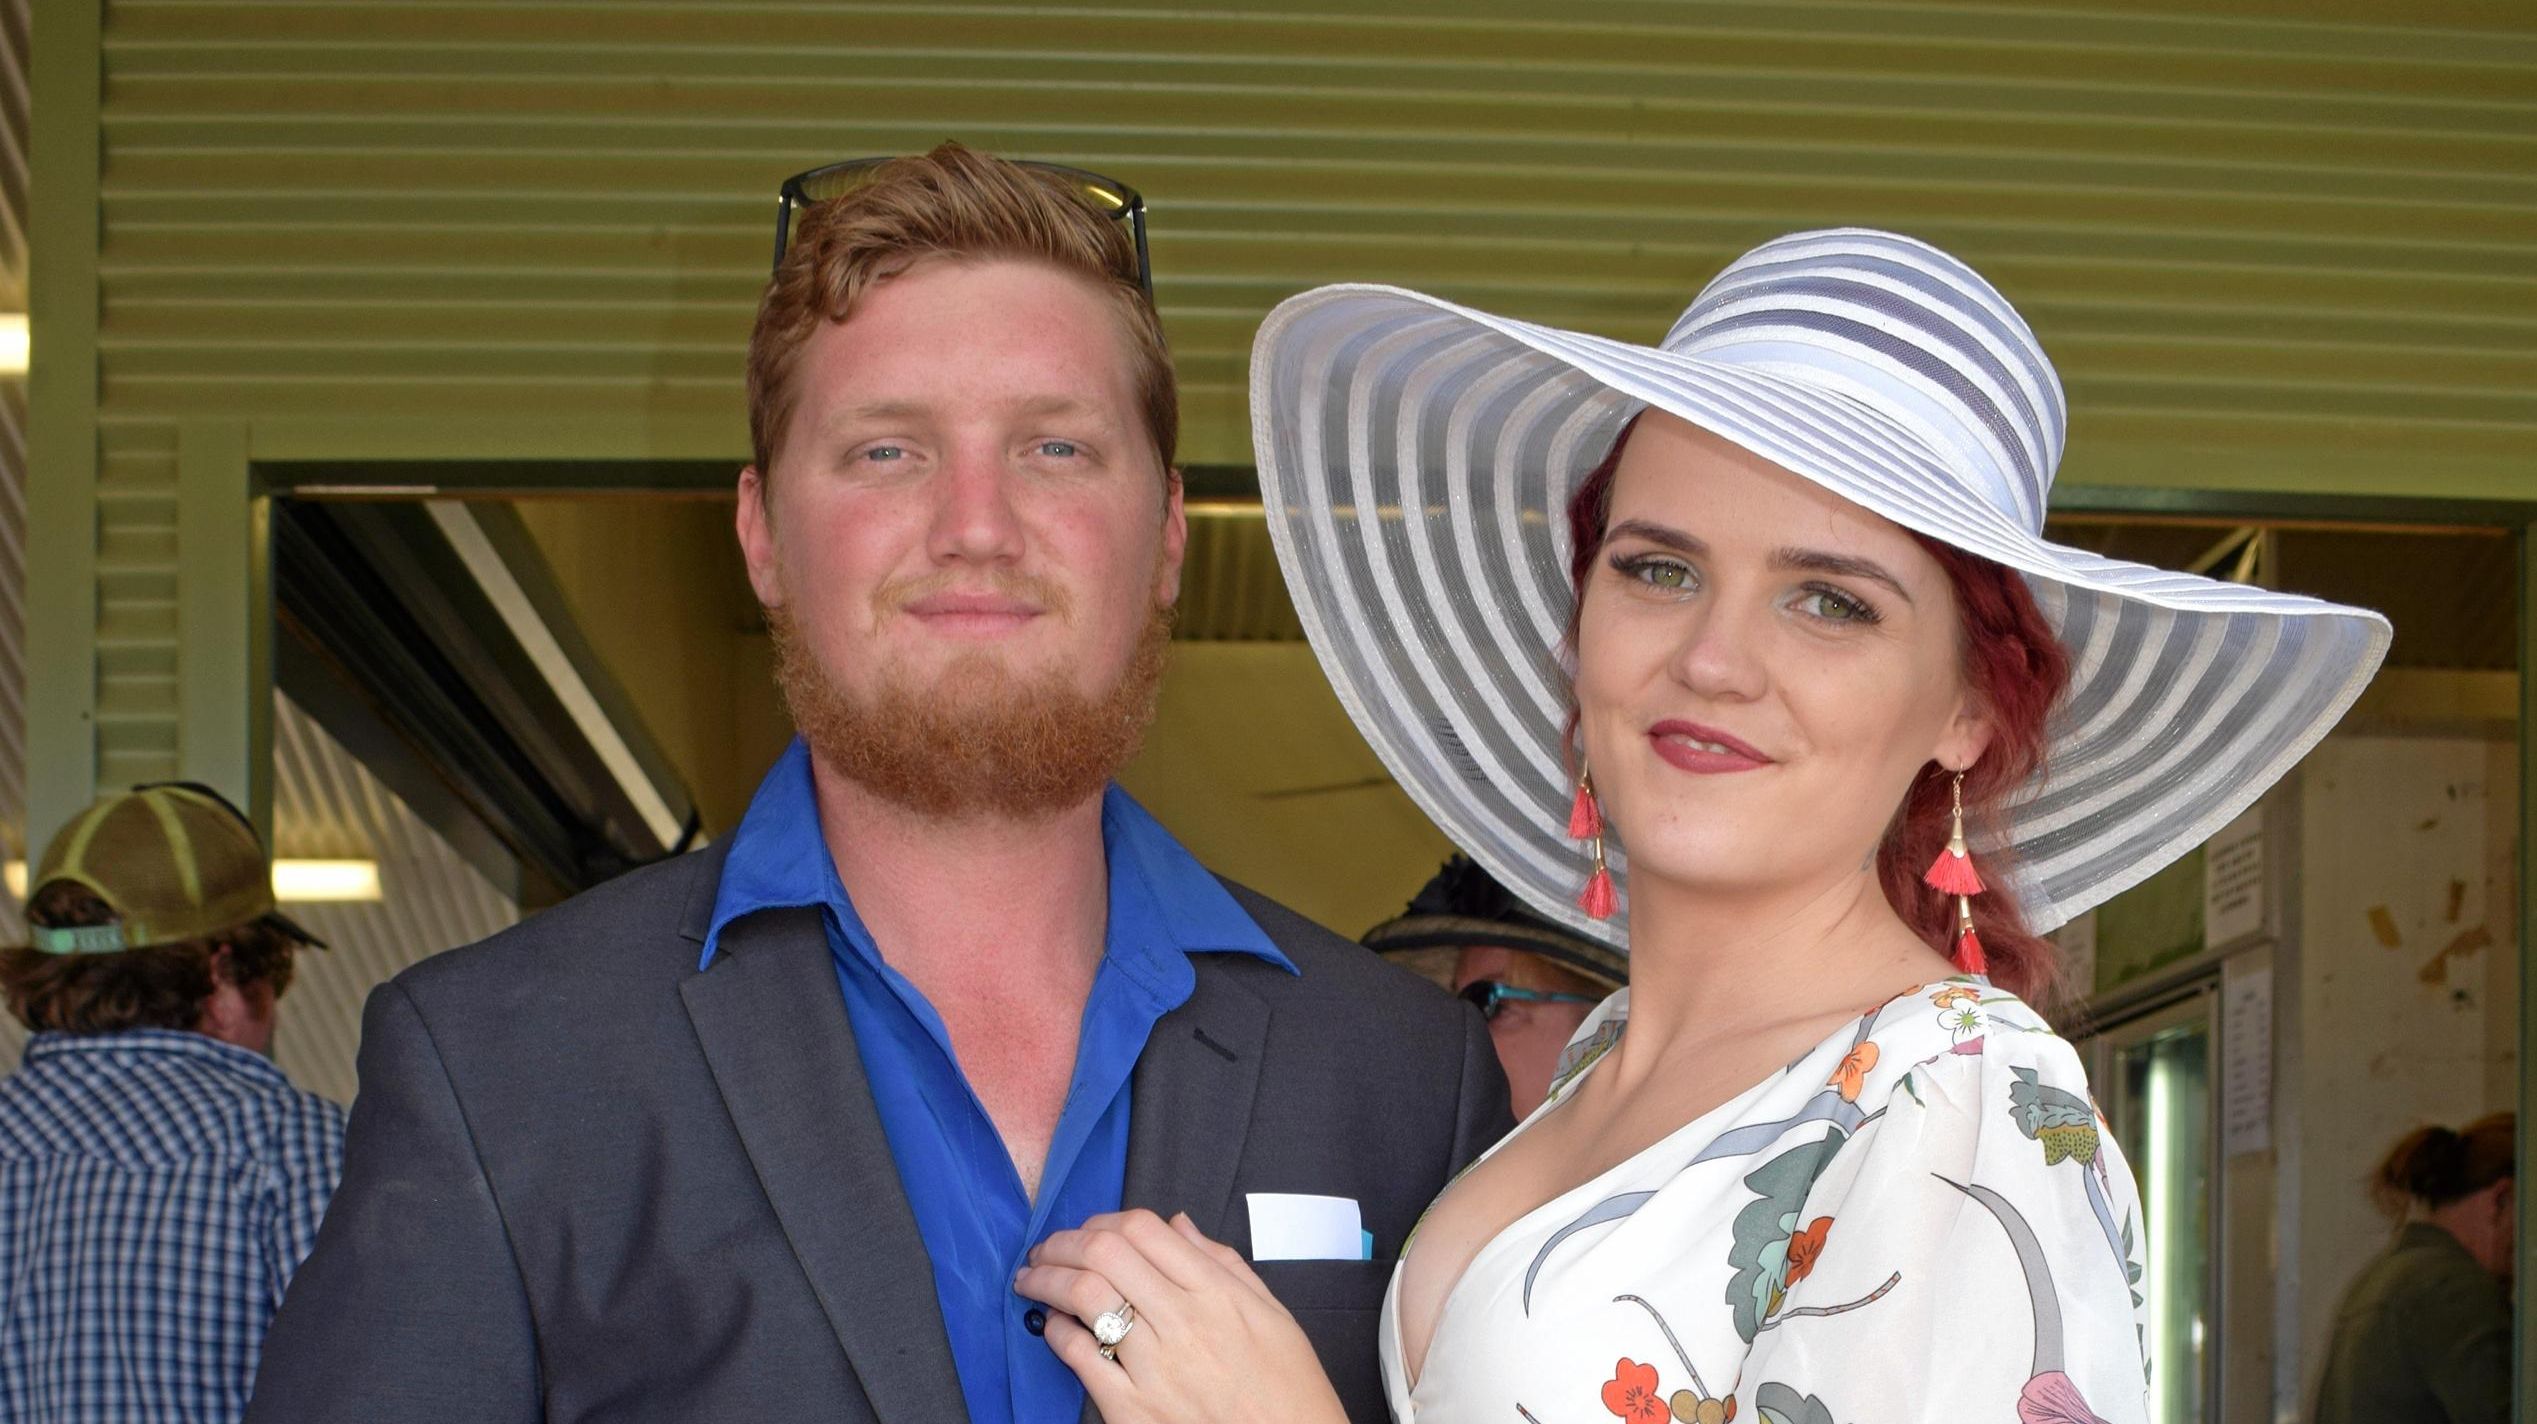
(2524, 1348)
(62, 391)
(224, 620)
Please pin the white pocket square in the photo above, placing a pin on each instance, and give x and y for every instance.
(1291, 1226)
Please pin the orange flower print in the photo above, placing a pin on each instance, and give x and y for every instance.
(1950, 995)
(1804, 1248)
(1631, 1394)
(1853, 1072)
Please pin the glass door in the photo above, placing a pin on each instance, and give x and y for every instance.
(2158, 1073)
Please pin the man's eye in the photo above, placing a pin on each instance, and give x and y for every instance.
(882, 453)
(1060, 449)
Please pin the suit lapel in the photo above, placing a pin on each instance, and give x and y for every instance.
(774, 1029)
(1191, 1112)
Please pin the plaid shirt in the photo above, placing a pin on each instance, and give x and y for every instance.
(157, 1189)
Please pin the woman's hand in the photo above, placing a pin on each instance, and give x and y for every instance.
(1210, 1343)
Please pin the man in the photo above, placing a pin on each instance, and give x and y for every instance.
(764, 1133)
(159, 1178)
(1534, 981)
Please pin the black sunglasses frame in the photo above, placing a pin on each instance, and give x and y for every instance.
(795, 195)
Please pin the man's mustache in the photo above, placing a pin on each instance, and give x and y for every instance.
(1040, 593)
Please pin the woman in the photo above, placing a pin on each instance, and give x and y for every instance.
(2424, 1334)
(1819, 1163)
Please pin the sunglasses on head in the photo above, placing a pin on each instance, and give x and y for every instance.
(1489, 996)
(1112, 199)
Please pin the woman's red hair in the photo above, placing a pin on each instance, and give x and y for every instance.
(2018, 670)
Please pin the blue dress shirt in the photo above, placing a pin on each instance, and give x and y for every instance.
(976, 1221)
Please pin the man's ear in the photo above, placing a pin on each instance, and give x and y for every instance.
(754, 522)
(1175, 541)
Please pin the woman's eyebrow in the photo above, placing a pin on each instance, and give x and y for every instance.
(1817, 561)
(1661, 534)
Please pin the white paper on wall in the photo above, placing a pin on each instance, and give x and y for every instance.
(2233, 881)
(2246, 1062)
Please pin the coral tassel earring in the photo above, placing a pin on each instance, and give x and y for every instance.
(1968, 956)
(1585, 818)
(1952, 872)
(1585, 822)
(1599, 899)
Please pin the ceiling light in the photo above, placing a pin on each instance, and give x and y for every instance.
(13, 343)
(303, 881)
(298, 882)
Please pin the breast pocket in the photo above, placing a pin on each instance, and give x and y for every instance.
(1340, 1306)
(1326, 1285)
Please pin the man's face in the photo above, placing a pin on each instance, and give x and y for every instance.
(1528, 1035)
(966, 517)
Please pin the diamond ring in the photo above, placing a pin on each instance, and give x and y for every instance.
(1112, 1326)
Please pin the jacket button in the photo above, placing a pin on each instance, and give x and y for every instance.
(1035, 1320)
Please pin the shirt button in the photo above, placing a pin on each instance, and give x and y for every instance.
(1035, 1320)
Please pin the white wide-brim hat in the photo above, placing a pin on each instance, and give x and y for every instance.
(1416, 462)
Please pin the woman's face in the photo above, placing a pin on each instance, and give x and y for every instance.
(1762, 669)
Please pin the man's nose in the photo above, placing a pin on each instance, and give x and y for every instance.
(974, 515)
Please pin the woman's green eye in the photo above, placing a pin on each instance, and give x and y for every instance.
(1660, 573)
(1835, 607)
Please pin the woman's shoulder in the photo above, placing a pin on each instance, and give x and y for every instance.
(1593, 1038)
(1967, 1040)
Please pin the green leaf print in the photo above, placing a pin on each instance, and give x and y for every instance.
(2062, 1121)
(1778, 1404)
(1762, 1231)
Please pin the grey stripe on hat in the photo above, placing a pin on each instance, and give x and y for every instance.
(2007, 340)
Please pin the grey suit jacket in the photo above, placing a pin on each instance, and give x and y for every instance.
(585, 1181)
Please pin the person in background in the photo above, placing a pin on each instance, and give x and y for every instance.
(160, 1179)
(2424, 1334)
(1533, 980)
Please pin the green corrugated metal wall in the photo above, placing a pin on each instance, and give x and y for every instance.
(2277, 252)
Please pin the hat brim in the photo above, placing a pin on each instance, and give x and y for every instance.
(1416, 460)
(296, 930)
(1413, 934)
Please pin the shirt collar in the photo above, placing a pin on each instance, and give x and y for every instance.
(135, 1042)
(1163, 906)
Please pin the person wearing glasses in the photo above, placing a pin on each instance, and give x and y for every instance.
(160, 1178)
(1748, 647)
(1533, 980)
(765, 1132)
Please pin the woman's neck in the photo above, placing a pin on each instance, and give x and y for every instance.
(1699, 957)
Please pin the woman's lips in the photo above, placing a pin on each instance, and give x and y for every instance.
(1703, 750)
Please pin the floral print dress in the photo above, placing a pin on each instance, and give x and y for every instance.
(1923, 1219)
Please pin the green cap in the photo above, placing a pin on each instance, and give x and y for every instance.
(173, 861)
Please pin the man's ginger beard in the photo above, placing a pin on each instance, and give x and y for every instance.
(981, 739)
